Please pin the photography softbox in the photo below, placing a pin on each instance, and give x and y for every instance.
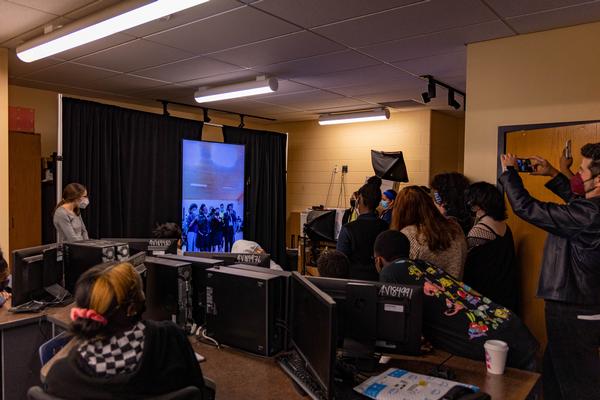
(320, 225)
(389, 165)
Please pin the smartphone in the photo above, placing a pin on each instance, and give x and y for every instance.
(568, 153)
(524, 165)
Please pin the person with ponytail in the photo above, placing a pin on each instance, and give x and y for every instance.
(67, 214)
(356, 238)
(118, 354)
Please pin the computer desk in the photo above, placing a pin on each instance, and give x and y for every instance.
(239, 375)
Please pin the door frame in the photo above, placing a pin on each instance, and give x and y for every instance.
(506, 129)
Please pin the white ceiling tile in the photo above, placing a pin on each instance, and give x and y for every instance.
(312, 100)
(196, 13)
(286, 87)
(311, 13)
(280, 49)
(193, 68)
(511, 8)
(123, 84)
(70, 74)
(333, 62)
(436, 43)
(96, 46)
(17, 68)
(399, 85)
(134, 55)
(91, 8)
(235, 28)
(17, 19)
(360, 76)
(53, 6)
(557, 18)
(168, 92)
(432, 16)
(221, 79)
(440, 66)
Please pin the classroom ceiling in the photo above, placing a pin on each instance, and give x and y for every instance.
(330, 55)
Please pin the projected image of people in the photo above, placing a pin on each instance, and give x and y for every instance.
(213, 195)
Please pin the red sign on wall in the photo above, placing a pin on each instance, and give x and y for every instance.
(21, 119)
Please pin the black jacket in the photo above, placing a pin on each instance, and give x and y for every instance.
(571, 263)
(356, 241)
(168, 363)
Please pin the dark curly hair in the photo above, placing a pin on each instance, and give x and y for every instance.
(451, 187)
(168, 230)
(592, 150)
(370, 193)
(333, 264)
(487, 197)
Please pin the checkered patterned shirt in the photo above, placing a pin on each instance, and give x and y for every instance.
(117, 354)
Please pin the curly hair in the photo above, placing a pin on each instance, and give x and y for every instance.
(592, 150)
(451, 188)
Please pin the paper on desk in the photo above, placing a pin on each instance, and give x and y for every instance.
(398, 384)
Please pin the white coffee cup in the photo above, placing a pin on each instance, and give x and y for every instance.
(495, 356)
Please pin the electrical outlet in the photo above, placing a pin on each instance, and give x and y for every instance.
(344, 169)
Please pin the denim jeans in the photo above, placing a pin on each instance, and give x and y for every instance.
(571, 368)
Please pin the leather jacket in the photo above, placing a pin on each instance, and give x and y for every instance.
(571, 262)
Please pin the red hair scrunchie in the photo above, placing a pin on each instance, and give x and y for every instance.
(86, 313)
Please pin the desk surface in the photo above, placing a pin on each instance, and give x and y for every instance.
(240, 375)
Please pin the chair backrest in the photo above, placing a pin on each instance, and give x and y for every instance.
(37, 393)
(53, 346)
(187, 393)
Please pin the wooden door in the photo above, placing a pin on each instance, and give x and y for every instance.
(25, 184)
(529, 240)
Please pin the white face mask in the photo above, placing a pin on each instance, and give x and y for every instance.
(84, 202)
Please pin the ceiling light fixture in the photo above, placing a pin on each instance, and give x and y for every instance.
(379, 114)
(97, 26)
(452, 101)
(430, 93)
(236, 90)
(452, 91)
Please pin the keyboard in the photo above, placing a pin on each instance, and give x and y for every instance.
(295, 367)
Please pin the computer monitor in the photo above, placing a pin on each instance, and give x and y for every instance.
(390, 321)
(313, 329)
(28, 278)
(151, 246)
(261, 260)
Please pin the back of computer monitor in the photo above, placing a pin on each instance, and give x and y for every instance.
(261, 260)
(28, 274)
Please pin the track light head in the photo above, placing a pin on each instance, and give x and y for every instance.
(452, 101)
(241, 125)
(206, 118)
(430, 93)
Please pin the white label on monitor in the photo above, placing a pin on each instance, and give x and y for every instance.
(394, 307)
(174, 318)
(158, 252)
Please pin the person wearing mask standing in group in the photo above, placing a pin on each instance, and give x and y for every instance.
(569, 280)
(67, 214)
(387, 205)
(356, 238)
(350, 214)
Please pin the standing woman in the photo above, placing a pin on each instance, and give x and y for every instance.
(67, 215)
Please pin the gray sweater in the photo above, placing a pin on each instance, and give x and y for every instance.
(69, 226)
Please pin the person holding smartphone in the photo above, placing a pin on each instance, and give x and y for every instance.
(569, 280)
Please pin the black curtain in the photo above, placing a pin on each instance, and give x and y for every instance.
(265, 191)
(130, 162)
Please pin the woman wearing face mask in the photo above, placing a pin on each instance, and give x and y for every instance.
(351, 213)
(491, 265)
(387, 205)
(67, 215)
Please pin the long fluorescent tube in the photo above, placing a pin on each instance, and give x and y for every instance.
(236, 90)
(364, 116)
(40, 48)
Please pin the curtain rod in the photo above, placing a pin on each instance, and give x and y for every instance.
(165, 103)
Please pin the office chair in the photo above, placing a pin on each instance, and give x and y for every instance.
(53, 346)
(187, 393)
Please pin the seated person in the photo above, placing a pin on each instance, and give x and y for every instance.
(119, 354)
(249, 247)
(455, 317)
(4, 280)
(169, 230)
(333, 264)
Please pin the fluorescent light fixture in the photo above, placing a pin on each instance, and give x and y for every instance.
(243, 89)
(200, 185)
(97, 27)
(380, 114)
